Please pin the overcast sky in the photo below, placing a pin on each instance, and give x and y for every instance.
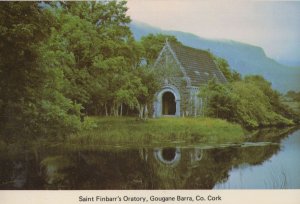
(275, 26)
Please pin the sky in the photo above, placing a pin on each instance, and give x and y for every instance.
(272, 25)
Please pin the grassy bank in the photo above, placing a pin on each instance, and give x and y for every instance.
(128, 130)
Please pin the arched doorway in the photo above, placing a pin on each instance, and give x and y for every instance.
(168, 104)
(169, 156)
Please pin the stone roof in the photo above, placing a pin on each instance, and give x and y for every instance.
(198, 64)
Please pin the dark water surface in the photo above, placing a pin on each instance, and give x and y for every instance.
(269, 159)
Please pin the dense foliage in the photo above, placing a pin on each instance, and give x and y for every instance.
(230, 75)
(291, 100)
(32, 102)
(294, 95)
(62, 61)
(250, 101)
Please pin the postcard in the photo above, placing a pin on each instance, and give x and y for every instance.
(153, 101)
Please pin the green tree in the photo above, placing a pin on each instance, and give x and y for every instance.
(73, 42)
(230, 75)
(31, 101)
(293, 95)
(273, 97)
(149, 86)
(102, 53)
(153, 44)
(250, 102)
(219, 101)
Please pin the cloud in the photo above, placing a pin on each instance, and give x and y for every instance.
(275, 26)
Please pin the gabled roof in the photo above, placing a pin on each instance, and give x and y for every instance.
(197, 64)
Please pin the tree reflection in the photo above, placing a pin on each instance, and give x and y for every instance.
(141, 168)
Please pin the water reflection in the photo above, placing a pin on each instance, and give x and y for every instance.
(174, 167)
(168, 156)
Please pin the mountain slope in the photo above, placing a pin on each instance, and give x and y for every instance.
(244, 58)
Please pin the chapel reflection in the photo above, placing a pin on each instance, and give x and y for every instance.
(144, 168)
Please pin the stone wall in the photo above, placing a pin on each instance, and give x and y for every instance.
(171, 75)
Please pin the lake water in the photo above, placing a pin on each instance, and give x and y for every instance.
(269, 159)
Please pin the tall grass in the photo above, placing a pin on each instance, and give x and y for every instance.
(131, 131)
